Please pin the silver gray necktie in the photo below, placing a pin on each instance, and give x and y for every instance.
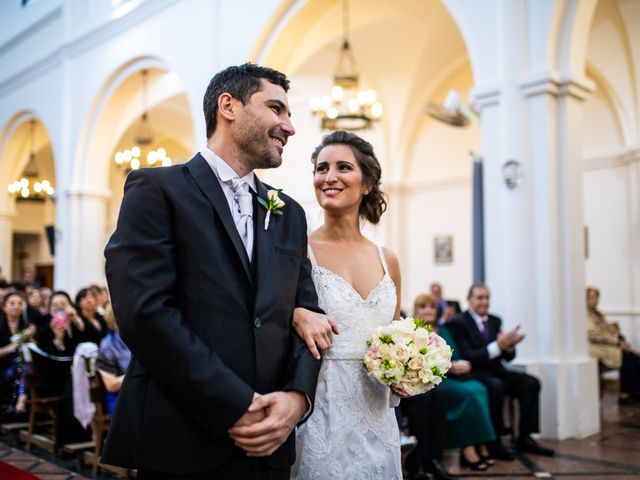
(244, 201)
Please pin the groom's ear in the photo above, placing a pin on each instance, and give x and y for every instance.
(227, 106)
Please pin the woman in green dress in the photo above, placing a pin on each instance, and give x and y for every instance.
(468, 424)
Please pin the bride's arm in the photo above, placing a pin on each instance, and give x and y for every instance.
(315, 329)
(394, 273)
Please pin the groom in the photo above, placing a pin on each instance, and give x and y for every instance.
(204, 293)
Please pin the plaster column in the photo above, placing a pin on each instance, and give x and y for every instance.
(531, 132)
(534, 240)
(80, 238)
(6, 242)
(559, 352)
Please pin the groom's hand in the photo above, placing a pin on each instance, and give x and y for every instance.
(283, 411)
(315, 329)
(251, 416)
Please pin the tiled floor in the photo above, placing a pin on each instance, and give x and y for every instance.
(613, 454)
(38, 467)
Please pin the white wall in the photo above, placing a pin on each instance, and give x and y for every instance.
(613, 220)
(435, 210)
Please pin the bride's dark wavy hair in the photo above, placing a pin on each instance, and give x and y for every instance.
(374, 203)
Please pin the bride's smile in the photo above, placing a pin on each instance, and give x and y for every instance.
(338, 178)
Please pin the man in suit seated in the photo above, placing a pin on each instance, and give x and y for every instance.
(482, 342)
(446, 309)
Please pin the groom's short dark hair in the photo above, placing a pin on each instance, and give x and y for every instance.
(240, 82)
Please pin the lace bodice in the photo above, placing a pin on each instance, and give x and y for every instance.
(356, 316)
(352, 433)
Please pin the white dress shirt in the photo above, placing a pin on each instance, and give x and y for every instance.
(492, 349)
(225, 173)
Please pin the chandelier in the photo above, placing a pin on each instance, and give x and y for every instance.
(347, 108)
(30, 187)
(132, 158)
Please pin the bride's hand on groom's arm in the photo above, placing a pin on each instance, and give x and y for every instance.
(315, 329)
(283, 411)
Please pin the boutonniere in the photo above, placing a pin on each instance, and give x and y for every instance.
(273, 204)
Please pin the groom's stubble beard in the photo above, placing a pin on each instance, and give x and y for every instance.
(255, 146)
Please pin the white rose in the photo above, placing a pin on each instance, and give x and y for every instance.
(276, 200)
(421, 338)
(400, 353)
(413, 376)
(385, 350)
(416, 362)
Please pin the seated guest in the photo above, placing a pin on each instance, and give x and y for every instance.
(36, 301)
(612, 350)
(446, 309)
(61, 336)
(113, 359)
(100, 297)
(426, 421)
(95, 326)
(12, 369)
(482, 342)
(64, 331)
(30, 314)
(468, 423)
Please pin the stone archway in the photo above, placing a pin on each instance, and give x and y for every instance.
(96, 187)
(23, 221)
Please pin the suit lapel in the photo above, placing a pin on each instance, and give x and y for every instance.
(210, 186)
(263, 244)
(475, 333)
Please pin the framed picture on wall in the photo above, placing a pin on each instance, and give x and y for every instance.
(443, 249)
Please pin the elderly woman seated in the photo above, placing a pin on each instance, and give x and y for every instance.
(613, 352)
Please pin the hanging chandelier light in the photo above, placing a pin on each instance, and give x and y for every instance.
(132, 158)
(30, 186)
(347, 108)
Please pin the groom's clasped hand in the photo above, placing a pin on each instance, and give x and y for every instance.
(268, 422)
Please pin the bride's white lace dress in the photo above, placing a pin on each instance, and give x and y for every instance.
(352, 433)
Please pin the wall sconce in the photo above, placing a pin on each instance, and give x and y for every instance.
(512, 174)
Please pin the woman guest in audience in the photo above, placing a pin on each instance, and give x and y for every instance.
(12, 370)
(95, 326)
(468, 424)
(64, 326)
(607, 344)
(36, 301)
(65, 329)
(113, 360)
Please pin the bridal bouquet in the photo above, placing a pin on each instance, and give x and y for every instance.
(407, 356)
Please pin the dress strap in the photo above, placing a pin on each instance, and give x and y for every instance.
(382, 259)
(311, 256)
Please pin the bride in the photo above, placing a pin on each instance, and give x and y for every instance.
(353, 431)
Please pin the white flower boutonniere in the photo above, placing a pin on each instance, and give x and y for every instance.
(273, 204)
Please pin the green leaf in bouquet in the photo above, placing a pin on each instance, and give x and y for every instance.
(424, 351)
(387, 339)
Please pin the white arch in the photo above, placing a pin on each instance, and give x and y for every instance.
(90, 152)
(12, 159)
